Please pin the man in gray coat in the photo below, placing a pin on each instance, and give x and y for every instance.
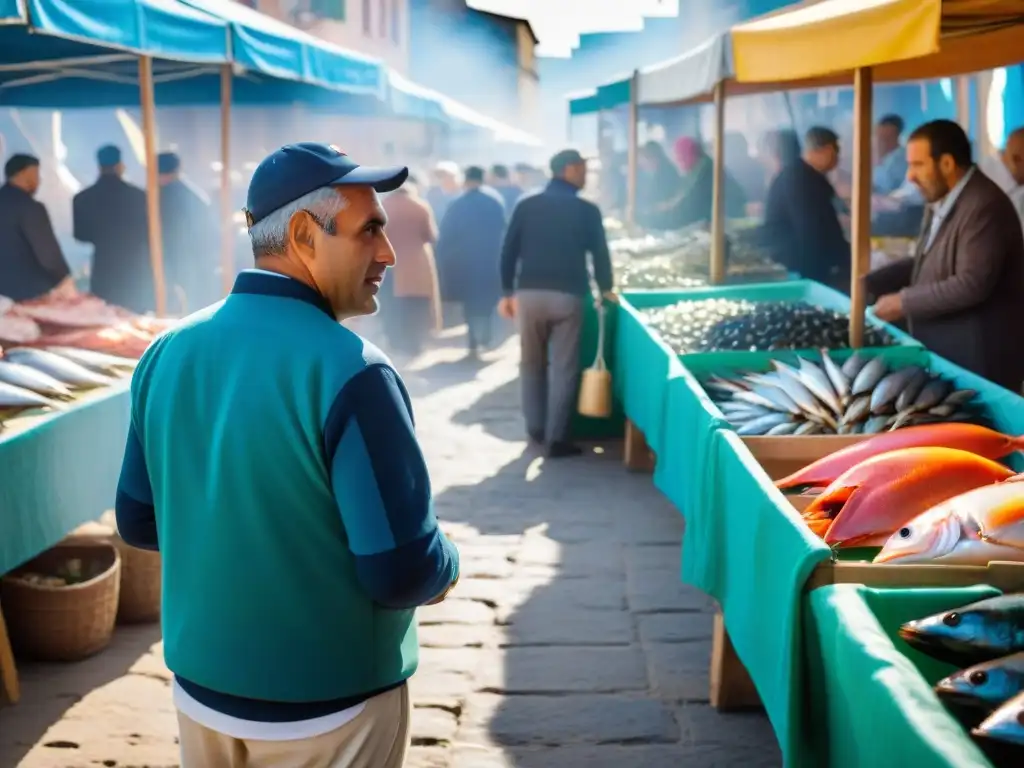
(963, 291)
(545, 280)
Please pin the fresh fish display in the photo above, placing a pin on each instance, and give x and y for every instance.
(832, 401)
(60, 368)
(984, 631)
(96, 361)
(981, 689)
(17, 398)
(966, 437)
(725, 324)
(875, 498)
(1006, 726)
(682, 260)
(974, 528)
(31, 379)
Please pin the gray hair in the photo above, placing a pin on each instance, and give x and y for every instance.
(269, 234)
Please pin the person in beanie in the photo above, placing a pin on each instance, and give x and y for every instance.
(545, 281)
(273, 462)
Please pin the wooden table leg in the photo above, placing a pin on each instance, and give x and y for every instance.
(731, 686)
(636, 454)
(8, 670)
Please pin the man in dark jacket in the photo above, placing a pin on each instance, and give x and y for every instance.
(31, 261)
(801, 221)
(190, 235)
(469, 245)
(545, 280)
(111, 214)
(502, 182)
(963, 291)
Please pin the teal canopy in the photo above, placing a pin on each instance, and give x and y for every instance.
(607, 96)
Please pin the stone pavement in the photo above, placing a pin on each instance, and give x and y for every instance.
(568, 642)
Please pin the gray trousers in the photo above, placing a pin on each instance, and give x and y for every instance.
(549, 336)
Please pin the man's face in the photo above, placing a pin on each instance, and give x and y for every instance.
(886, 140)
(924, 171)
(29, 179)
(577, 174)
(829, 158)
(348, 261)
(1013, 157)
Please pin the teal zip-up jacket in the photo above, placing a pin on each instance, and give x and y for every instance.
(272, 460)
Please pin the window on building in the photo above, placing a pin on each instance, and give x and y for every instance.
(396, 22)
(382, 30)
(367, 17)
(328, 9)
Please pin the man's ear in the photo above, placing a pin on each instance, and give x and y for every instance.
(300, 234)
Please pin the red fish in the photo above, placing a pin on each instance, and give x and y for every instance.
(966, 437)
(876, 497)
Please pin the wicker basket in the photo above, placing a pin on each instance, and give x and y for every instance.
(63, 623)
(140, 584)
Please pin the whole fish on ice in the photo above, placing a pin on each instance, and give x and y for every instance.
(974, 528)
(98, 362)
(17, 398)
(23, 376)
(60, 368)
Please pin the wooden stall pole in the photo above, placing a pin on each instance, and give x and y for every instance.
(963, 102)
(227, 224)
(633, 137)
(860, 226)
(717, 268)
(156, 242)
(9, 686)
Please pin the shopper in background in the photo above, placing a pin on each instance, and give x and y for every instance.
(801, 225)
(1013, 159)
(746, 170)
(890, 169)
(444, 189)
(111, 215)
(659, 183)
(695, 199)
(962, 292)
(272, 461)
(31, 260)
(545, 279)
(501, 180)
(191, 239)
(470, 249)
(414, 306)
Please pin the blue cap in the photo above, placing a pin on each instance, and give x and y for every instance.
(298, 169)
(167, 162)
(108, 156)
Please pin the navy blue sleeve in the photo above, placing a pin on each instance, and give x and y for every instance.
(599, 249)
(510, 252)
(382, 489)
(133, 506)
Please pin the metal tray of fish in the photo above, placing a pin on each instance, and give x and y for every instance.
(709, 325)
(863, 395)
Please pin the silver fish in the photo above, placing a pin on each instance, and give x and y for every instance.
(984, 687)
(794, 386)
(960, 397)
(835, 374)
(888, 389)
(943, 409)
(853, 365)
(754, 398)
(763, 424)
(934, 392)
(58, 367)
(808, 428)
(1005, 725)
(786, 428)
(99, 362)
(911, 389)
(29, 378)
(877, 424)
(726, 385)
(858, 408)
(817, 381)
(777, 395)
(19, 398)
(869, 376)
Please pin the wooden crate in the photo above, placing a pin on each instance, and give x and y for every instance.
(637, 454)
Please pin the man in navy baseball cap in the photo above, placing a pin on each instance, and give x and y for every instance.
(266, 432)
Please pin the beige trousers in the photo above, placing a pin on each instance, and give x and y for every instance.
(377, 738)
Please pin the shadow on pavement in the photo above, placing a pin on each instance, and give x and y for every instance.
(50, 691)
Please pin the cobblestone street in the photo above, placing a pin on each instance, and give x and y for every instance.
(569, 641)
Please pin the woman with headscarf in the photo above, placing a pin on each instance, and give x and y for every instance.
(696, 193)
(657, 189)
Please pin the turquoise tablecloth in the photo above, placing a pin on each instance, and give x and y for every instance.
(59, 473)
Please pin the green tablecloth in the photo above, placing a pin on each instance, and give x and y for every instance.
(59, 472)
(870, 701)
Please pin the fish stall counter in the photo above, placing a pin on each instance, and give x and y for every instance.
(655, 327)
(902, 677)
(757, 550)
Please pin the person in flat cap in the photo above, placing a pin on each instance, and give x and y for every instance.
(31, 260)
(272, 460)
(190, 233)
(546, 280)
(112, 216)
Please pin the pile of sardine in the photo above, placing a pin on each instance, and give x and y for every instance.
(727, 324)
(43, 378)
(861, 396)
(682, 260)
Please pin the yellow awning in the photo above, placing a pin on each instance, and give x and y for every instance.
(823, 41)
